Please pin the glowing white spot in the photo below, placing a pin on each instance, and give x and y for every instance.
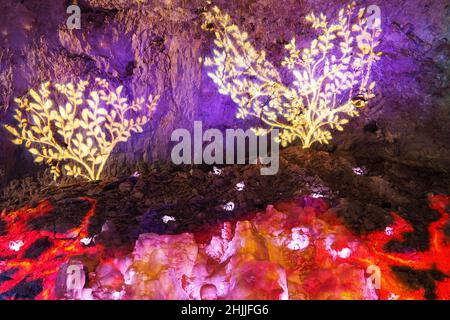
(359, 171)
(117, 295)
(299, 241)
(393, 296)
(86, 241)
(389, 231)
(240, 186)
(229, 206)
(217, 171)
(136, 174)
(344, 253)
(15, 245)
(166, 219)
(316, 195)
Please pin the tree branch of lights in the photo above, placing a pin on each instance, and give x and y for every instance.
(331, 76)
(74, 129)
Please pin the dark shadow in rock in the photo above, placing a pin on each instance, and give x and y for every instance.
(364, 218)
(417, 279)
(7, 275)
(151, 222)
(67, 214)
(419, 214)
(371, 127)
(37, 248)
(24, 290)
(2, 227)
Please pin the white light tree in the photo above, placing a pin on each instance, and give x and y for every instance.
(331, 75)
(73, 128)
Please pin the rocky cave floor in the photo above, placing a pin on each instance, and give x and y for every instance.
(195, 197)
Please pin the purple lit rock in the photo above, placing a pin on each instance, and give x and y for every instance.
(157, 46)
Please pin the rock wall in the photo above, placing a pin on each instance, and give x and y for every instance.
(157, 46)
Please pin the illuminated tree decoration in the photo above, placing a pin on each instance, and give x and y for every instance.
(331, 77)
(76, 128)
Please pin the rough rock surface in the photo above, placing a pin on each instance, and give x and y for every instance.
(158, 45)
(196, 197)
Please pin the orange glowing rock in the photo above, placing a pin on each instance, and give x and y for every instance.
(159, 264)
(63, 246)
(436, 258)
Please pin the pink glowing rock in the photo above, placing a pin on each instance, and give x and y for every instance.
(160, 262)
(294, 251)
(108, 275)
(162, 285)
(247, 241)
(257, 280)
(176, 252)
(217, 249)
(206, 272)
(208, 292)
